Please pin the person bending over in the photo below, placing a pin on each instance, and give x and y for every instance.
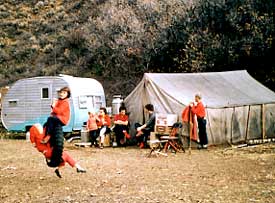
(37, 134)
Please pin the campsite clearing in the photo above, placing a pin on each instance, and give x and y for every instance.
(126, 175)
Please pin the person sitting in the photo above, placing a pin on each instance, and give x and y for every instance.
(37, 134)
(121, 126)
(92, 127)
(103, 124)
(143, 131)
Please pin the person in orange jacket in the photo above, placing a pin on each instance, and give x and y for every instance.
(103, 124)
(198, 109)
(60, 116)
(37, 134)
(92, 126)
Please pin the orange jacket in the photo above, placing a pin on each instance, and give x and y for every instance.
(120, 117)
(199, 110)
(106, 119)
(62, 110)
(37, 135)
(190, 118)
(91, 123)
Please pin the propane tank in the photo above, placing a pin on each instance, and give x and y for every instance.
(117, 100)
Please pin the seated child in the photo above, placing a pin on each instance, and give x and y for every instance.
(36, 136)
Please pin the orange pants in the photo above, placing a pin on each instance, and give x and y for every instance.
(37, 135)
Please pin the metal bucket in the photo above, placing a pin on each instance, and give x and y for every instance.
(84, 134)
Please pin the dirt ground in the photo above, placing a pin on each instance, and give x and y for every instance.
(127, 175)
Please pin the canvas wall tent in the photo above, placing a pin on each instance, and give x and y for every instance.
(238, 107)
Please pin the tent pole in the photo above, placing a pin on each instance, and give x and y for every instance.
(209, 124)
(263, 122)
(190, 129)
(247, 123)
(231, 136)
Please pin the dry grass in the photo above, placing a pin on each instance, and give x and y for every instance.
(127, 175)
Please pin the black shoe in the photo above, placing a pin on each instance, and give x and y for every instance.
(80, 170)
(58, 173)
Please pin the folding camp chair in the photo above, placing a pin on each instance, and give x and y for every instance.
(160, 142)
(156, 145)
(172, 140)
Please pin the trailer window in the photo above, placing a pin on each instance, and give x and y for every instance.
(97, 102)
(82, 102)
(97, 98)
(12, 103)
(88, 101)
(45, 93)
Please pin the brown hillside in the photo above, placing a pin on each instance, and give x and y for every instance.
(104, 39)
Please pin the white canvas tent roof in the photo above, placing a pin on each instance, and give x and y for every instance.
(171, 92)
(219, 89)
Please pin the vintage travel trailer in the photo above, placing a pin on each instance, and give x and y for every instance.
(28, 101)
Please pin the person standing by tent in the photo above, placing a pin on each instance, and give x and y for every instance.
(143, 131)
(198, 109)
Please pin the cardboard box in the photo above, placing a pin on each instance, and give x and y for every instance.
(164, 122)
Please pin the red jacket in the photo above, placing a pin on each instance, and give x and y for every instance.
(62, 110)
(190, 118)
(199, 110)
(120, 117)
(36, 135)
(106, 119)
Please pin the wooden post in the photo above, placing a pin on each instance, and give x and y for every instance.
(263, 122)
(247, 123)
(231, 136)
(190, 128)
